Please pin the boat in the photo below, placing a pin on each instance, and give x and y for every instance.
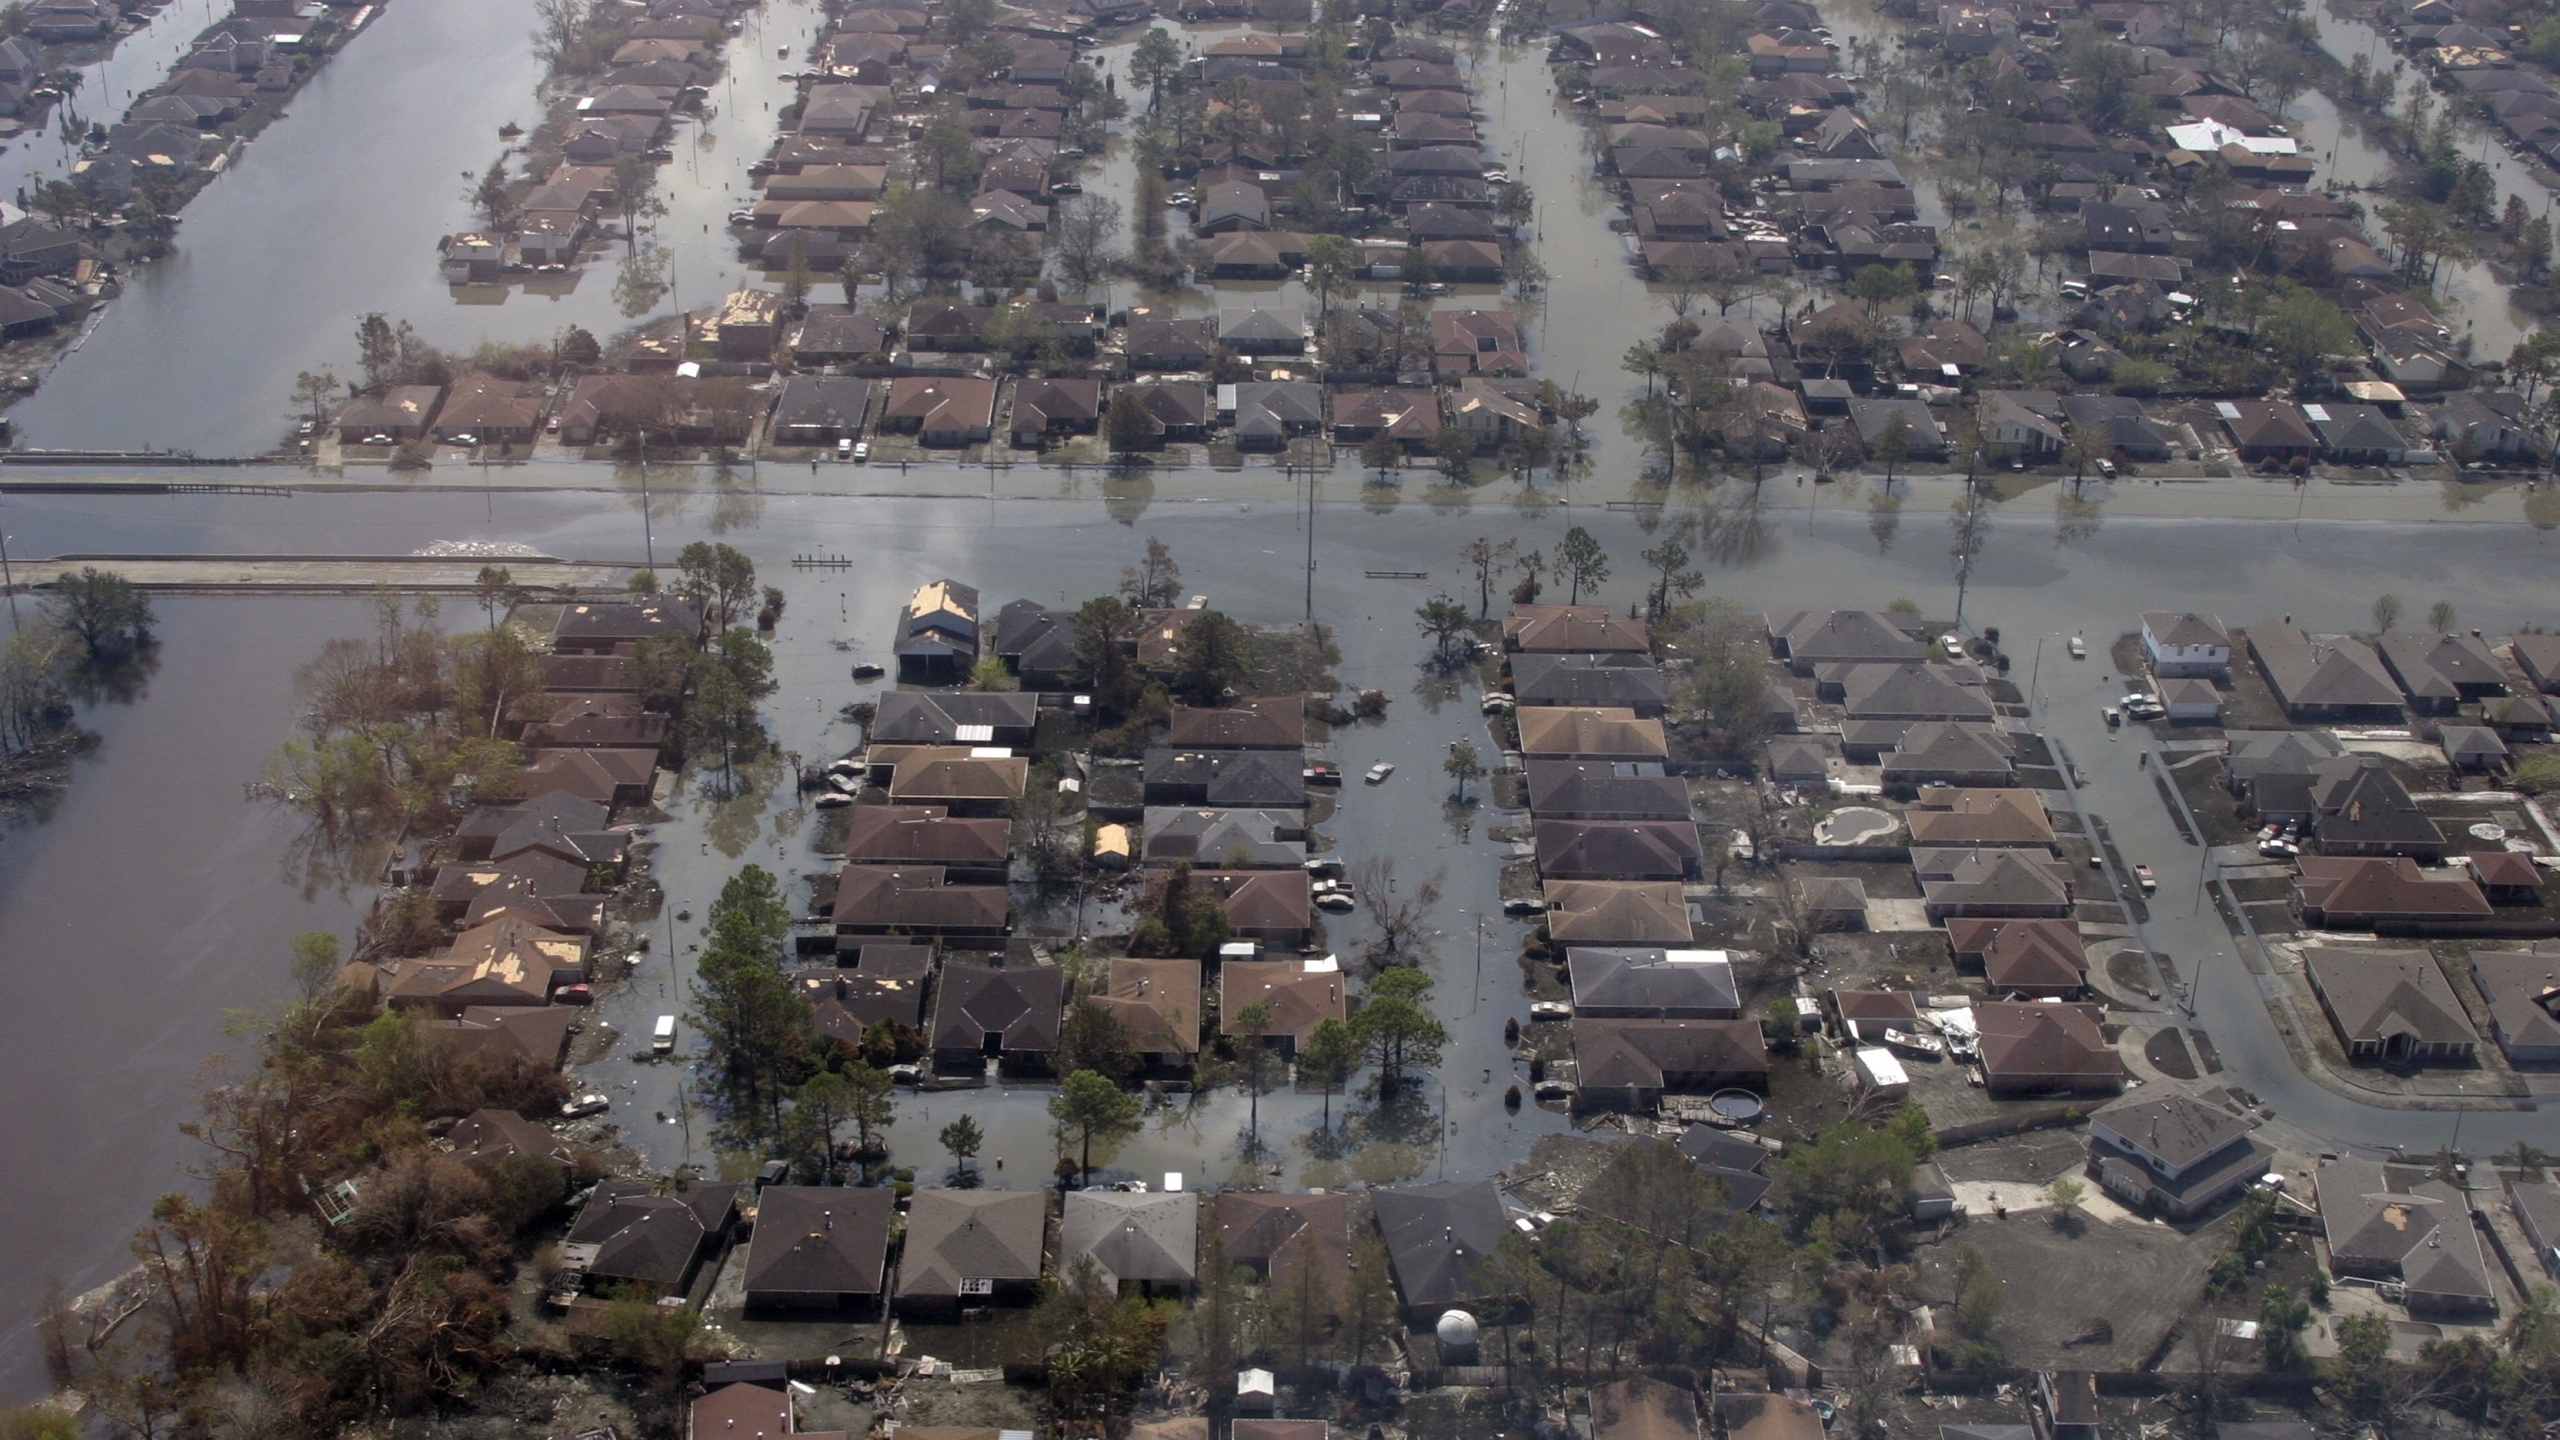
(842, 784)
(868, 671)
(1379, 772)
(833, 800)
(1928, 1045)
(1336, 902)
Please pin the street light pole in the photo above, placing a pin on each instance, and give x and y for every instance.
(648, 541)
(8, 582)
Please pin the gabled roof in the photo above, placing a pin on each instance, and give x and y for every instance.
(1596, 732)
(1910, 691)
(1603, 789)
(951, 717)
(917, 898)
(1617, 849)
(1651, 977)
(1617, 912)
(1274, 722)
(1226, 839)
(2363, 887)
(922, 835)
(2023, 954)
(2376, 995)
(2185, 628)
(1572, 628)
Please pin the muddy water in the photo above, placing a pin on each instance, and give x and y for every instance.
(335, 211)
(147, 905)
(108, 87)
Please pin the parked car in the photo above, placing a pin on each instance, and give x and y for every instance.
(2079, 648)
(2142, 876)
(1550, 1010)
(591, 1103)
(861, 452)
(1323, 772)
(844, 449)
(1379, 772)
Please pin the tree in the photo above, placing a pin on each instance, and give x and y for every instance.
(1080, 236)
(2282, 1317)
(1980, 1294)
(1446, 622)
(819, 1108)
(720, 578)
(2442, 617)
(377, 349)
(2304, 330)
(1369, 1298)
(2386, 612)
(1328, 1058)
(1128, 428)
(1894, 445)
(1395, 1032)
(1095, 1110)
(1092, 1038)
(635, 187)
(1485, 556)
(489, 198)
(1582, 562)
(1154, 583)
(1156, 63)
(1256, 1069)
(1532, 566)
(1456, 450)
(1331, 263)
(1381, 453)
(759, 1033)
(109, 615)
(1669, 562)
(1464, 765)
(577, 346)
(1879, 287)
(962, 1138)
(312, 392)
(495, 586)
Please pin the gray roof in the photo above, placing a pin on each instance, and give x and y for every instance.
(2257, 753)
(820, 1240)
(2329, 671)
(1443, 1239)
(2441, 668)
(2470, 742)
(2523, 991)
(2402, 1222)
(1622, 678)
(1605, 790)
(2185, 627)
(937, 717)
(1935, 747)
(1267, 779)
(1814, 636)
(2362, 803)
(1132, 1237)
(1262, 325)
(1227, 839)
(957, 1235)
(1653, 979)
(1911, 692)
(2377, 994)
(2173, 1128)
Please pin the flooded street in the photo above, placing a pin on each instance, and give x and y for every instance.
(108, 87)
(336, 209)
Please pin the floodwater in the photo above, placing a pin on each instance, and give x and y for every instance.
(119, 977)
(336, 209)
(205, 924)
(108, 87)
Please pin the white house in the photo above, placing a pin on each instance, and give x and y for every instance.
(2184, 643)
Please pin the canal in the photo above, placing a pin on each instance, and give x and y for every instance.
(336, 209)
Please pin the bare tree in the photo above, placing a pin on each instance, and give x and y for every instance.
(1399, 914)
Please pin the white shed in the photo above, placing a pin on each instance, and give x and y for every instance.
(1879, 1073)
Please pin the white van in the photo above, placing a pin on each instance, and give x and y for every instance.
(662, 1037)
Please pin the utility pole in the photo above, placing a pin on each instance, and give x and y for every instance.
(8, 582)
(648, 541)
(1972, 512)
(1311, 546)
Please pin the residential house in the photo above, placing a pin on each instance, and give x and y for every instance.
(1157, 1003)
(1573, 629)
(1301, 1244)
(1408, 414)
(1938, 752)
(2536, 1206)
(1616, 912)
(2040, 959)
(2359, 893)
(2390, 1005)
(628, 1232)
(1953, 817)
(606, 627)
(1226, 839)
(1651, 982)
(1263, 330)
(1750, 1415)
(955, 717)
(1225, 779)
(485, 1137)
(1992, 884)
(1267, 722)
(965, 850)
(2174, 1153)
(1879, 421)
(1908, 692)
(1275, 907)
(2359, 435)
(1177, 411)
(1301, 994)
(2400, 1224)
(918, 900)
(507, 960)
(1611, 790)
(1270, 413)
(2488, 425)
(2021, 425)
(2330, 677)
(2251, 756)
(1866, 1015)
(1630, 1064)
(1038, 645)
(968, 1246)
(1626, 680)
(1589, 732)
(1443, 1244)
(2268, 430)
(941, 410)
(1007, 1013)
(2120, 418)
(820, 1247)
(1807, 639)
(960, 778)
(2354, 805)
(2440, 673)
(400, 413)
(1150, 1241)
(2180, 642)
(610, 776)
(2038, 1045)
(836, 335)
(1470, 342)
(1618, 850)
(1168, 343)
(847, 1002)
(938, 628)
(819, 410)
(2522, 988)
